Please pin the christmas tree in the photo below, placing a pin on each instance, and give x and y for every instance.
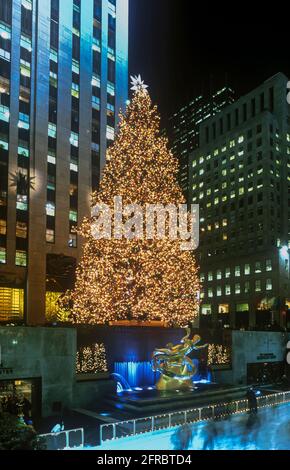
(136, 279)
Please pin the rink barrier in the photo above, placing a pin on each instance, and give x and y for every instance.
(73, 438)
(133, 427)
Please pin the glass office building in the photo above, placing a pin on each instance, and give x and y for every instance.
(63, 81)
(240, 177)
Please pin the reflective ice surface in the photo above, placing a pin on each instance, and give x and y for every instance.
(269, 430)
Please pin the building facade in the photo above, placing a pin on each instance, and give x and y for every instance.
(63, 80)
(240, 177)
(183, 128)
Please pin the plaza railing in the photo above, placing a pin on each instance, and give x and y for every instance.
(133, 427)
(73, 438)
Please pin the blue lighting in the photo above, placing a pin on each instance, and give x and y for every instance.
(133, 374)
(137, 374)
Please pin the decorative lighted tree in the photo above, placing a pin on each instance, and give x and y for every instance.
(136, 279)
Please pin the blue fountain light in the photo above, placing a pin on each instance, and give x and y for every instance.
(137, 374)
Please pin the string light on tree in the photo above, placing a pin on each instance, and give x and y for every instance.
(139, 279)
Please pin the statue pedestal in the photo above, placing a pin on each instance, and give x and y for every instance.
(166, 383)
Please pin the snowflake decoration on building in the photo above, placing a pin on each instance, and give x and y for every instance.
(138, 83)
(22, 182)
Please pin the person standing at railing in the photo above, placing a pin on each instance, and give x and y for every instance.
(252, 400)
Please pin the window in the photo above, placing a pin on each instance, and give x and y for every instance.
(12, 303)
(247, 287)
(52, 130)
(21, 230)
(269, 265)
(219, 274)
(210, 276)
(237, 288)
(258, 287)
(228, 273)
(49, 236)
(228, 289)
(258, 268)
(73, 216)
(74, 139)
(210, 293)
(247, 269)
(237, 271)
(206, 309)
(72, 241)
(269, 285)
(242, 307)
(219, 291)
(110, 133)
(50, 209)
(2, 257)
(21, 258)
(3, 227)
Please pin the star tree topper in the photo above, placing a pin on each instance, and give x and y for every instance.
(138, 83)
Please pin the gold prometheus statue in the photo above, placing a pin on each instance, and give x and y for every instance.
(176, 368)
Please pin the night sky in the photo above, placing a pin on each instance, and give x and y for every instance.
(182, 50)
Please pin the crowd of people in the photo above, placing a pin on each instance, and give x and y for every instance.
(17, 405)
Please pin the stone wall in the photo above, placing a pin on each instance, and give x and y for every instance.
(44, 353)
(250, 347)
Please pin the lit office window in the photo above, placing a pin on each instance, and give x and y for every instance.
(228, 289)
(206, 309)
(74, 139)
(3, 227)
(2, 255)
(247, 269)
(72, 241)
(110, 133)
(75, 90)
(237, 271)
(21, 230)
(23, 149)
(219, 274)
(21, 258)
(12, 303)
(50, 209)
(258, 287)
(269, 285)
(52, 130)
(269, 265)
(4, 113)
(228, 273)
(258, 267)
(210, 276)
(73, 216)
(202, 277)
(219, 291)
(49, 236)
(237, 288)
(210, 293)
(23, 122)
(27, 4)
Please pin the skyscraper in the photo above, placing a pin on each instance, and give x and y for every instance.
(240, 177)
(63, 80)
(183, 127)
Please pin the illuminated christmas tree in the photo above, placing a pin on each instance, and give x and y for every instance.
(137, 279)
